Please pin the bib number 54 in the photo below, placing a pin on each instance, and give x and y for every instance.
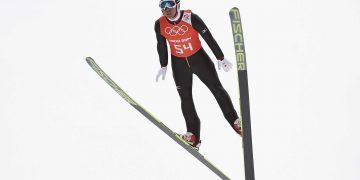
(181, 48)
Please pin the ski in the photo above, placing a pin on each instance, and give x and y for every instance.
(244, 92)
(154, 120)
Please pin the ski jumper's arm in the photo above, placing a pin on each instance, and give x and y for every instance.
(201, 28)
(161, 46)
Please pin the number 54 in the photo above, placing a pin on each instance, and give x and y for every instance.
(180, 48)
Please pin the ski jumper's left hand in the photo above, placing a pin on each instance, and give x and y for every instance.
(225, 64)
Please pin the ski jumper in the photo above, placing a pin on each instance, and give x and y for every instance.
(188, 58)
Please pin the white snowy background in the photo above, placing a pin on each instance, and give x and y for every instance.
(59, 120)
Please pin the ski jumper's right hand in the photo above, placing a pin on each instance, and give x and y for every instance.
(161, 72)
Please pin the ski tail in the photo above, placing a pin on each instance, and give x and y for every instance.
(154, 120)
(238, 36)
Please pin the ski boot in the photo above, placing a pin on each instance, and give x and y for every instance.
(237, 126)
(190, 138)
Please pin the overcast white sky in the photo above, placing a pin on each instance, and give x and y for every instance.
(59, 120)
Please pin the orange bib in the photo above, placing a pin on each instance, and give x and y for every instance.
(183, 38)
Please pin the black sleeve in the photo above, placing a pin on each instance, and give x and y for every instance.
(201, 28)
(161, 46)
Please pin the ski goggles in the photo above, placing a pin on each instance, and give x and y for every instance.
(167, 4)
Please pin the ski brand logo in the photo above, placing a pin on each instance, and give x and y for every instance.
(239, 40)
(176, 30)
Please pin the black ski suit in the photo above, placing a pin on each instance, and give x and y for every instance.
(201, 65)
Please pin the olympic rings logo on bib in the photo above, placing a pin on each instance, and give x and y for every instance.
(176, 30)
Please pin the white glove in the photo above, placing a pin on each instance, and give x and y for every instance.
(225, 64)
(161, 72)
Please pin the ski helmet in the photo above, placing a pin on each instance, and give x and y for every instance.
(163, 4)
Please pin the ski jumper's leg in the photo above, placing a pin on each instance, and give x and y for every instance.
(183, 75)
(204, 68)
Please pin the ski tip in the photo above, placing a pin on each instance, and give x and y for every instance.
(88, 59)
(233, 10)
